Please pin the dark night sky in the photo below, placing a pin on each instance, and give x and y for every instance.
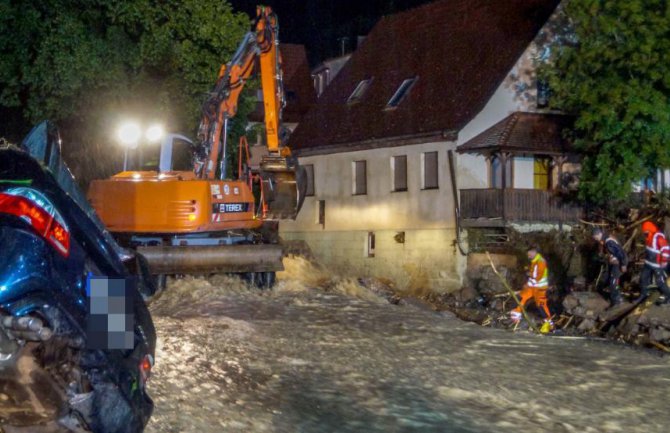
(319, 24)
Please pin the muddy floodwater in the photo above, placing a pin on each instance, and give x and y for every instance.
(323, 355)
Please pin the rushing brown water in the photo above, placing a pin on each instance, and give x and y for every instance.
(323, 354)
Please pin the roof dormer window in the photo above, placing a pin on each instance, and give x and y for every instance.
(401, 93)
(359, 91)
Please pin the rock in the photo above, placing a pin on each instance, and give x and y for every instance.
(471, 315)
(570, 302)
(487, 282)
(466, 294)
(659, 334)
(585, 304)
(593, 302)
(657, 315)
(587, 325)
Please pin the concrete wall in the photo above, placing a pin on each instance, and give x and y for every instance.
(428, 258)
(425, 216)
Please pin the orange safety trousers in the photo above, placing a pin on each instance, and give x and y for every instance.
(539, 294)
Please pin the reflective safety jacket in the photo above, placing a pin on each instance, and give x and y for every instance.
(657, 251)
(539, 273)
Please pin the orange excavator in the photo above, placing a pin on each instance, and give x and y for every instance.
(183, 213)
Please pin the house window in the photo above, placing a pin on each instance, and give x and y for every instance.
(309, 169)
(371, 244)
(399, 170)
(401, 93)
(359, 91)
(360, 178)
(542, 173)
(321, 212)
(430, 170)
(496, 173)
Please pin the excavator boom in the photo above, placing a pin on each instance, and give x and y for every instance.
(281, 177)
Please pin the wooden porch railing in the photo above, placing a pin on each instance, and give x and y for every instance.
(517, 205)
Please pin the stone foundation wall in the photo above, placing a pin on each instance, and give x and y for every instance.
(428, 259)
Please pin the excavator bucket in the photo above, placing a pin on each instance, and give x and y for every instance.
(284, 187)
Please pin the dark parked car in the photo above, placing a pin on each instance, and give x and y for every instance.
(71, 300)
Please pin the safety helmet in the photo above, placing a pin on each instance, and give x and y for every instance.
(649, 227)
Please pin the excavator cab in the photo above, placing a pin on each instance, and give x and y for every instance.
(176, 154)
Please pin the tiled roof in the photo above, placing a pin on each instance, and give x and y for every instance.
(460, 50)
(523, 133)
(300, 93)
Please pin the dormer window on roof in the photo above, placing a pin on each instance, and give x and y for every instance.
(359, 91)
(401, 93)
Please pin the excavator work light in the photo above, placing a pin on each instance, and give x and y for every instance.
(129, 134)
(155, 133)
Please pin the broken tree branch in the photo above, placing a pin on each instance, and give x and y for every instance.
(660, 346)
(568, 322)
(509, 289)
(630, 240)
(638, 222)
(593, 224)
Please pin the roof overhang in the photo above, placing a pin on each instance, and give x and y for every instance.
(380, 143)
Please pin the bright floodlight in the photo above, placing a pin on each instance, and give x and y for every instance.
(129, 133)
(155, 133)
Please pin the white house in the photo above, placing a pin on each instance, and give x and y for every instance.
(377, 144)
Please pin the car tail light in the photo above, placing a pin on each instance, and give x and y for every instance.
(145, 368)
(34, 208)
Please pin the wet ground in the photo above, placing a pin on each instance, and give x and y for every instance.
(324, 355)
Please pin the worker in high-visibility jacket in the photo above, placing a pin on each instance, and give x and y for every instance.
(536, 288)
(656, 259)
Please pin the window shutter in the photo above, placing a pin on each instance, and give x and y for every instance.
(430, 171)
(310, 179)
(400, 173)
(360, 174)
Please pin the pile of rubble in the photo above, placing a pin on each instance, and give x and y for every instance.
(583, 313)
(645, 324)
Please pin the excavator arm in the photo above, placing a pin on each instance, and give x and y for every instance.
(282, 179)
(259, 46)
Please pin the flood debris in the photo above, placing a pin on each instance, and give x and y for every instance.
(580, 314)
(578, 310)
(578, 296)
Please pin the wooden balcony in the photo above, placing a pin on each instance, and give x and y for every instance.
(498, 207)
